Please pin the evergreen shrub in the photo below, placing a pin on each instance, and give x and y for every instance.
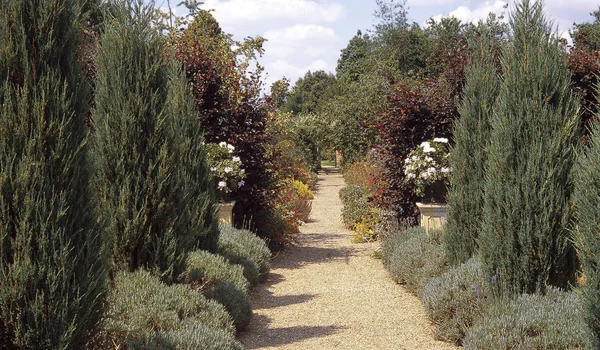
(243, 247)
(206, 270)
(532, 321)
(413, 257)
(53, 263)
(455, 299)
(236, 301)
(355, 205)
(585, 234)
(468, 155)
(221, 281)
(144, 312)
(156, 190)
(534, 130)
(197, 336)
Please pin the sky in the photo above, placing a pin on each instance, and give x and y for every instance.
(305, 35)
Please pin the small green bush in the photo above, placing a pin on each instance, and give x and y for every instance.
(455, 299)
(354, 198)
(413, 257)
(196, 336)
(551, 321)
(143, 311)
(207, 270)
(244, 248)
(236, 302)
(221, 281)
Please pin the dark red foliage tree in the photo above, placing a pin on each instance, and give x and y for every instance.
(231, 110)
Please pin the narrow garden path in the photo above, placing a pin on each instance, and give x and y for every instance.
(328, 293)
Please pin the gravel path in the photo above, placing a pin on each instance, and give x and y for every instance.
(327, 293)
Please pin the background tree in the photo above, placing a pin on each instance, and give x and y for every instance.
(227, 95)
(584, 63)
(468, 155)
(523, 241)
(53, 261)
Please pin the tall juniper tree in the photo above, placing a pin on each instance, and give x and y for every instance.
(528, 188)
(153, 187)
(586, 238)
(468, 156)
(53, 264)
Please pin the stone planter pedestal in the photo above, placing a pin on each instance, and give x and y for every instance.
(433, 215)
(226, 213)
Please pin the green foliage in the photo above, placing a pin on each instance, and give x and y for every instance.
(354, 200)
(551, 321)
(220, 281)
(413, 257)
(144, 312)
(587, 209)
(352, 65)
(245, 248)
(308, 92)
(455, 299)
(236, 302)
(52, 253)
(156, 190)
(207, 270)
(468, 155)
(523, 242)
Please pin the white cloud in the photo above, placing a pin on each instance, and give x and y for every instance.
(232, 12)
(309, 38)
(479, 13)
(282, 68)
(301, 32)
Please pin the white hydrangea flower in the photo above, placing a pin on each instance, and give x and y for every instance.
(445, 170)
(241, 183)
(222, 184)
(223, 144)
(428, 149)
(441, 140)
(236, 159)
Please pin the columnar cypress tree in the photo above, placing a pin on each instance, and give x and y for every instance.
(586, 238)
(153, 188)
(468, 156)
(53, 266)
(528, 187)
(195, 177)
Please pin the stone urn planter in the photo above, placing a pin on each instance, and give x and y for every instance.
(433, 215)
(226, 212)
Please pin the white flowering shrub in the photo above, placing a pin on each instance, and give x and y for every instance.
(427, 164)
(225, 168)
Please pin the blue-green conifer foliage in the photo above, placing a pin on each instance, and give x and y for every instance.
(52, 261)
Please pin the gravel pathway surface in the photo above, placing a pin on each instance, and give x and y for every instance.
(328, 293)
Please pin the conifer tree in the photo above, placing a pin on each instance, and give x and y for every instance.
(586, 238)
(53, 264)
(468, 156)
(534, 130)
(154, 181)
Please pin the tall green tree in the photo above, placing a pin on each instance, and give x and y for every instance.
(309, 92)
(528, 187)
(53, 263)
(147, 177)
(586, 238)
(469, 154)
